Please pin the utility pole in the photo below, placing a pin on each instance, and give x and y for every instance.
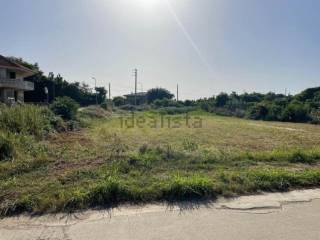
(95, 89)
(110, 103)
(135, 85)
(177, 92)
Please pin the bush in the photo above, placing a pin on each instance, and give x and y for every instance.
(176, 110)
(315, 117)
(6, 148)
(134, 108)
(65, 107)
(26, 119)
(258, 112)
(296, 112)
(166, 103)
(119, 101)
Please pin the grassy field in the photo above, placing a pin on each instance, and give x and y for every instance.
(109, 162)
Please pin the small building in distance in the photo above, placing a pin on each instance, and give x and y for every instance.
(131, 98)
(12, 84)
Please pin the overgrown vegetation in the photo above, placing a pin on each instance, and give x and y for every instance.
(26, 119)
(104, 164)
(109, 163)
(6, 148)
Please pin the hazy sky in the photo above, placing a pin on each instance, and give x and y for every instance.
(207, 46)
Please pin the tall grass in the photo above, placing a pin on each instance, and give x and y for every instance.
(25, 119)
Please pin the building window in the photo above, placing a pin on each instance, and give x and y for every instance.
(12, 75)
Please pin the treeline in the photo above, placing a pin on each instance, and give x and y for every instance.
(57, 86)
(303, 107)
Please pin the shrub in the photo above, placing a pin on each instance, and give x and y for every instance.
(6, 148)
(134, 108)
(176, 110)
(315, 116)
(166, 103)
(65, 107)
(258, 112)
(274, 113)
(119, 101)
(296, 112)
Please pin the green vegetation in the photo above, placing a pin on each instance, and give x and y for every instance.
(302, 107)
(6, 148)
(158, 94)
(105, 164)
(26, 119)
(59, 87)
(166, 151)
(65, 107)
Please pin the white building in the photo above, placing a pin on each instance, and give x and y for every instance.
(12, 84)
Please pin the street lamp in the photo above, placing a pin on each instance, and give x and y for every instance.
(95, 89)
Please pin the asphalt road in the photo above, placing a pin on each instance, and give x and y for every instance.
(292, 216)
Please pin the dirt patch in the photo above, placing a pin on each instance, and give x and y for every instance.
(67, 138)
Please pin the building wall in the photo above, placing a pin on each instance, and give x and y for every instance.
(3, 73)
(6, 93)
(140, 100)
(9, 93)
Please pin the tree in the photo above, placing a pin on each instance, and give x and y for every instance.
(102, 93)
(258, 112)
(58, 87)
(221, 99)
(158, 93)
(119, 101)
(296, 112)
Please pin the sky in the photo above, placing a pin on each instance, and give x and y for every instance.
(205, 46)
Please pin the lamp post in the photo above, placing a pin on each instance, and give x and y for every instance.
(95, 89)
(46, 91)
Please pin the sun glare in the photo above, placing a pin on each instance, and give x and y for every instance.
(149, 4)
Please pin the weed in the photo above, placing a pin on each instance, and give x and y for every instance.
(188, 188)
(190, 145)
(6, 148)
(108, 192)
